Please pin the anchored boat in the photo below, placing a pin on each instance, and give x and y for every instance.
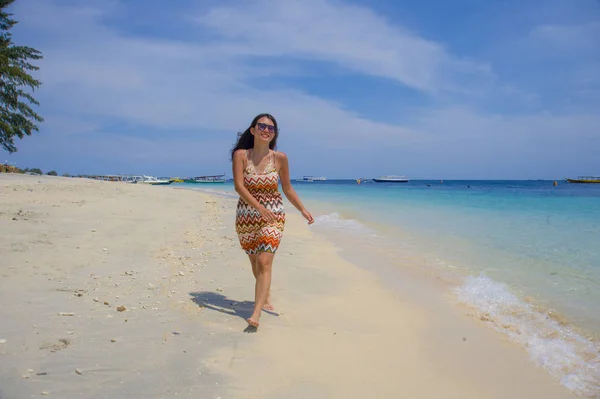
(391, 179)
(585, 179)
(312, 178)
(206, 179)
(153, 181)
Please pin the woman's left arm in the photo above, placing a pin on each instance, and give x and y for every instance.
(286, 185)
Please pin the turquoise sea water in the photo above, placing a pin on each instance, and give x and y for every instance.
(525, 254)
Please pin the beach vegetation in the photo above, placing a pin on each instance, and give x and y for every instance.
(17, 118)
(5, 168)
(35, 171)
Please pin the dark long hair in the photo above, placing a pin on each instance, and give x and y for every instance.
(245, 140)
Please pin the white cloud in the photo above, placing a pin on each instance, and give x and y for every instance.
(461, 123)
(581, 37)
(350, 36)
(173, 84)
(107, 76)
(69, 125)
(572, 53)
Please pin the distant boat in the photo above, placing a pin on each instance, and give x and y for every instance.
(154, 181)
(206, 179)
(391, 179)
(585, 179)
(312, 178)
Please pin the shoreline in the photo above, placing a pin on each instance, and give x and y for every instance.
(554, 341)
(341, 222)
(173, 260)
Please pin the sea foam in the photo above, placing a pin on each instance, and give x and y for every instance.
(551, 343)
(336, 222)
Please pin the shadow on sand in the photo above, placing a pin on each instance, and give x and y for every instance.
(222, 304)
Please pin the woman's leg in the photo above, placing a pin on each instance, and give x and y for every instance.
(264, 263)
(252, 258)
(253, 261)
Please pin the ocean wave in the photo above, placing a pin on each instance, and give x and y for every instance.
(550, 341)
(337, 222)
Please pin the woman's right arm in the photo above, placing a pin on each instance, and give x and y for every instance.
(238, 182)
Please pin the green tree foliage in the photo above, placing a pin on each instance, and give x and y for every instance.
(33, 170)
(17, 119)
(52, 173)
(5, 168)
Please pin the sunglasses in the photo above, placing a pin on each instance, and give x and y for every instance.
(263, 126)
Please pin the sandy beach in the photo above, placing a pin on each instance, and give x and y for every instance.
(115, 290)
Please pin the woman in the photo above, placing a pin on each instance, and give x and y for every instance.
(260, 216)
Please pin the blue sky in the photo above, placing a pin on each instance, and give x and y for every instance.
(431, 89)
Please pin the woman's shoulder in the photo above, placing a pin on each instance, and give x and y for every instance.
(240, 154)
(280, 155)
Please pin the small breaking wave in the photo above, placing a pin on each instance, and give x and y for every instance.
(352, 226)
(550, 341)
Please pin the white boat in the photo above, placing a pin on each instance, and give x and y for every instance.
(131, 179)
(312, 178)
(154, 181)
(391, 179)
(206, 179)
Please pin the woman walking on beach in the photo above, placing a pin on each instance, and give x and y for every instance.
(260, 216)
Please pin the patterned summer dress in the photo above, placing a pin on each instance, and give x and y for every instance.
(254, 233)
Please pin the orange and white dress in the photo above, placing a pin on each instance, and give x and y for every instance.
(255, 234)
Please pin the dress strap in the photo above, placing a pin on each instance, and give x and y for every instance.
(249, 162)
(271, 166)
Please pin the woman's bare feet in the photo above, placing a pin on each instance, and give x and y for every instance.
(252, 322)
(268, 305)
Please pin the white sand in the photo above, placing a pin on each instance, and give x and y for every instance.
(172, 259)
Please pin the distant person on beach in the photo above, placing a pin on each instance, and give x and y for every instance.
(260, 216)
